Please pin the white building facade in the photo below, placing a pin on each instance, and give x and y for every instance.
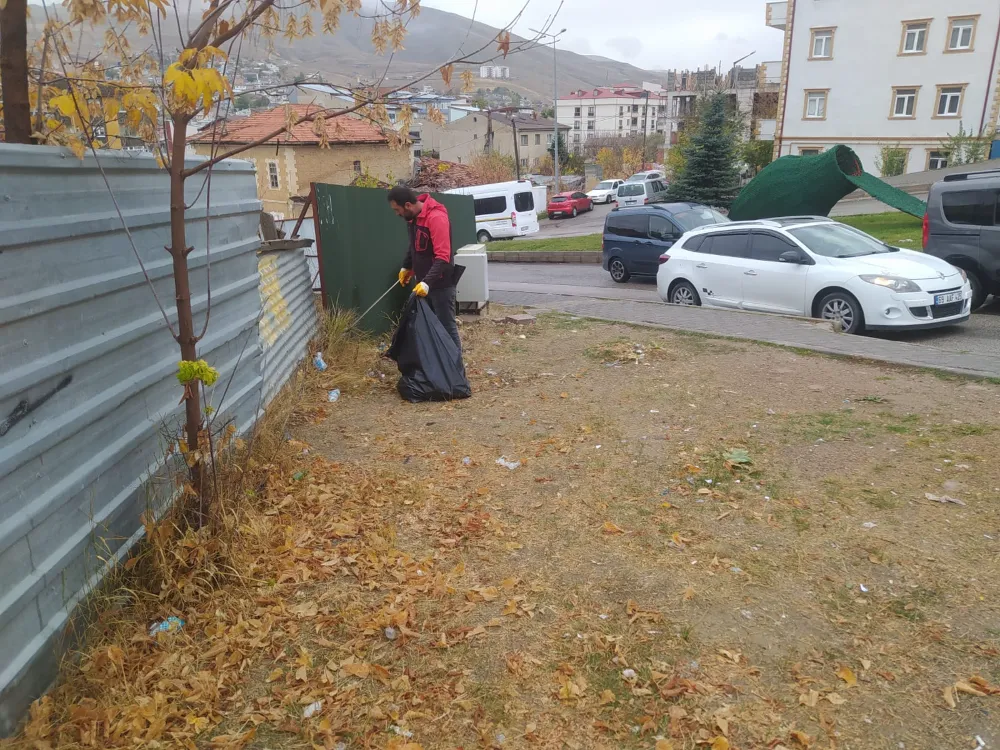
(889, 73)
(498, 72)
(619, 110)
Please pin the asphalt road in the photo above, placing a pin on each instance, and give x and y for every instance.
(591, 222)
(981, 334)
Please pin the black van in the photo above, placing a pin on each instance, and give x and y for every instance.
(962, 226)
(635, 238)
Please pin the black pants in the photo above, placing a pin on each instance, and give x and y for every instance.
(442, 302)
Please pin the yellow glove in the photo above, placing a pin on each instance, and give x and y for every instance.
(421, 289)
(405, 274)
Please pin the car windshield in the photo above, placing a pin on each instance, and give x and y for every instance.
(606, 185)
(838, 241)
(636, 178)
(558, 199)
(632, 189)
(698, 217)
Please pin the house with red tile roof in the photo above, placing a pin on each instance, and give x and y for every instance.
(288, 163)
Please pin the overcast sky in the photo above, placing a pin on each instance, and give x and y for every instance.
(652, 34)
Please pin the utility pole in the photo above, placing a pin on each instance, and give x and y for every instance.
(517, 154)
(645, 128)
(555, 101)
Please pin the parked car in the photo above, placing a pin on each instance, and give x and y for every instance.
(813, 267)
(651, 174)
(605, 192)
(641, 193)
(504, 210)
(635, 238)
(962, 226)
(569, 204)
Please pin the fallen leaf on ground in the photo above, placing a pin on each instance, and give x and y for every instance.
(949, 697)
(964, 687)
(607, 696)
(664, 745)
(720, 743)
(357, 669)
(689, 593)
(836, 699)
(610, 528)
(809, 699)
(801, 737)
(847, 675)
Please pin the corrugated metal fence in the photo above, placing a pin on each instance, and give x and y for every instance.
(88, 393)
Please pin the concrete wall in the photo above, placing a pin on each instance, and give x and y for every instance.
(866, 64)
(88, 388)
(298, 166)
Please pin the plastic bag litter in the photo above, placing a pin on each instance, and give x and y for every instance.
(169, 625)
(430, 364)
(318, 361)
(502, 461)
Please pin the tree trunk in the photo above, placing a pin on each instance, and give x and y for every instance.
(14, 71)
(185, 318)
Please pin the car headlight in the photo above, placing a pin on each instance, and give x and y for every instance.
(965, 276)
(895, 283)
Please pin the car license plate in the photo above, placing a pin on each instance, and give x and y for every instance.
(944, 299)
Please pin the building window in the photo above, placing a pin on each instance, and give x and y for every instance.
(619, 124)
(417, 153)
(538, 139)
(524, 163)
(576, 137)
(548, 139)
(949, 101)
(821, 44)
(576, 111)
(962, 34)
(635, 121)
(524, 139)
(914, 40)
(808, 152)
(357, 167)
(815, 105)
(621, 111)
(937, 159)
(591, 124)
(272, 175)
(590, 111)
(904, 103)
(576, 124)
(635, 108)
(475, 136)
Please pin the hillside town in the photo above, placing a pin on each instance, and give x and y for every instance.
(423, 374)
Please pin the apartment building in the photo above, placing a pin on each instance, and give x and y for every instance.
(461, 141)
(905, 73)
(616, 110)
(498, 72)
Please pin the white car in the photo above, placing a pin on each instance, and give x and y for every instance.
(605, 192)
(813, 267)
(651, 174)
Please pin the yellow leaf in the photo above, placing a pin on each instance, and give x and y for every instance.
(847, 675)
(64, 103)
(301, 674)
(720, 743)
(275, 674)
(866, 664)
(949, 697)
(809, 699)
(664, 745)
(610, 528)
(607, 696)
(964, 687)
(689, 593)
(446, 72)
(360, 670)
(836, 699)
(801, 737)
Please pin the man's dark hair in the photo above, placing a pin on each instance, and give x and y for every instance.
(401, 195)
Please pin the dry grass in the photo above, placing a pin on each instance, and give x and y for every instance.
(676, 563)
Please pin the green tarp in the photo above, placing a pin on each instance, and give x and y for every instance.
(813, 185)
(361, 244)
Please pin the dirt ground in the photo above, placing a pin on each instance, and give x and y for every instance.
(704, 544)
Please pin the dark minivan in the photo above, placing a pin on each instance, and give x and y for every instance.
(962, 226)
(635, 238)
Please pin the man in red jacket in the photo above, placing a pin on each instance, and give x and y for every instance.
(429, 256)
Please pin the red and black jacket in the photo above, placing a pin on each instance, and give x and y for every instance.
(430, 255)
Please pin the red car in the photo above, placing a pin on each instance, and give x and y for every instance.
(569, 204)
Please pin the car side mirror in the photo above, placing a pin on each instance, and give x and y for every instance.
(792, 256)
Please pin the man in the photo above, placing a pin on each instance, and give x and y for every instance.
(429, 257)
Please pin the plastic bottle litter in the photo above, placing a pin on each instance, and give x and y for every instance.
(390, 633)
(312, 709)
(318, 362)
(502, 461)
(466, 461)
(170, 625)
(629, 674)
(333, 395)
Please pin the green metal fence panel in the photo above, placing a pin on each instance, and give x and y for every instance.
(361, 244)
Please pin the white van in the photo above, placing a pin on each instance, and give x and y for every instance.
(641, 193)
(503, 209)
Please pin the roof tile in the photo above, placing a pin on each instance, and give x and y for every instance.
(343, 129)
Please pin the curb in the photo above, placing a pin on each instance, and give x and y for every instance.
(512, 256)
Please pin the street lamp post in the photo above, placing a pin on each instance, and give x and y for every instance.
(555, 104)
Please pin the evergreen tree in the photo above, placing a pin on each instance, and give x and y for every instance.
(563, 151)
(710, 174)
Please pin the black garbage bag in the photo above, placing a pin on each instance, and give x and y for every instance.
(430, 364)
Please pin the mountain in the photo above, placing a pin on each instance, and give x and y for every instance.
(431, 39)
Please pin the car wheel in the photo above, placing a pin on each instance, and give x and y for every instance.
(483, 237)
(978, 292)
(574, 212)
(842, 307)
(618, 271)
(684, 293)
